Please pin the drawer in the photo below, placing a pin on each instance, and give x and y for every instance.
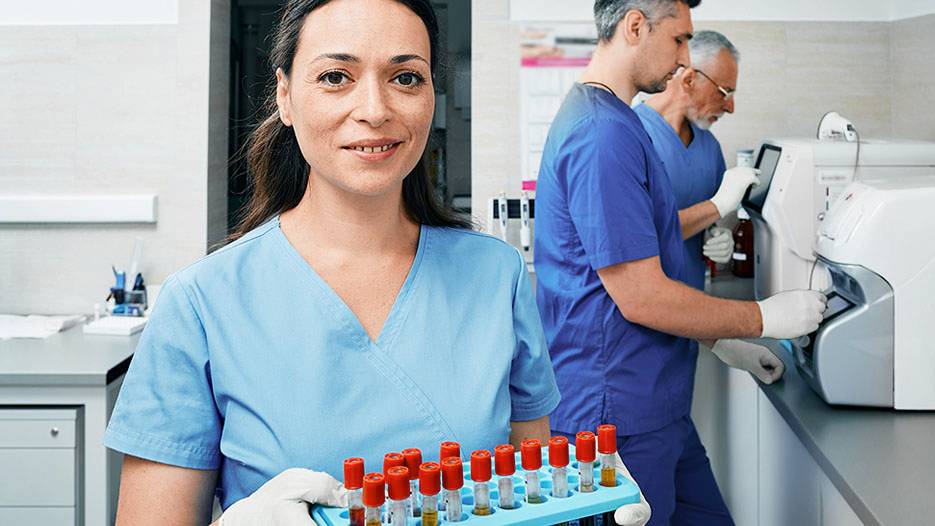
(37, 428)
(38, 516)
(37, 477)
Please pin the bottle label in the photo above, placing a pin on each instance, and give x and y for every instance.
(740, 256)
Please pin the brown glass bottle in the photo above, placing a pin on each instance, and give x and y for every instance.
(741, 264)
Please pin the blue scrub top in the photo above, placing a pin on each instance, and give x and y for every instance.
(602, 198)
(252, 364)
(695, 172)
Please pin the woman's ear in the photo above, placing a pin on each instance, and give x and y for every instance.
(282, 97)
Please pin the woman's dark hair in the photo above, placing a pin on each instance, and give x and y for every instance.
(278, 170)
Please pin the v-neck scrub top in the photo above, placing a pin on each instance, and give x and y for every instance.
(695, 171)
(252, 364)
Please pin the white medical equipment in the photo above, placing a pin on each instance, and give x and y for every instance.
(799, 179)
(876, 345)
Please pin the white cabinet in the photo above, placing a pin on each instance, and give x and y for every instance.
(40, 463)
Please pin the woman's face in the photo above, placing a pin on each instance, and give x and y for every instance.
(360, 95)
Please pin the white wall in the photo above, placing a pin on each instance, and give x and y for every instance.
(747, 10)
(111, 109)
(94, 12)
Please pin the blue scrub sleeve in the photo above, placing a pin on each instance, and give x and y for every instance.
(165, 411)
(533, 391)
(608, 193)
(721, 166)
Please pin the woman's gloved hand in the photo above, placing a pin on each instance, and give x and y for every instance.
(756, 359)
(284, 500)
(631, 514)
(719, 247)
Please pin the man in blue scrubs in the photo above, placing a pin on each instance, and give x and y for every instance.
(610, 263)
(677, 121)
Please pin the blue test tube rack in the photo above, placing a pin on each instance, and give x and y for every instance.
(551, 511)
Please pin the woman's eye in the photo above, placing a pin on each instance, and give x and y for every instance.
(409, 80)
(333, 78)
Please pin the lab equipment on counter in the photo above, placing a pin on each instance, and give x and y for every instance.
(551, 507)
(874, 346)
(531, 459)
(503, 209)
(397, 483)
(799, 180)
(413, 458)
(505, 466)
(354, 483)
(116, 325)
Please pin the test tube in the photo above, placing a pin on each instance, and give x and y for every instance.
(505, 466)
(531, 456)
(354, 482)
(397, 482)
(374, 497)
(585, 454)
(413, 457)
(430, 474)
(453, 481)
(480, 474)
(558, 459)
(607, 447)
(445, 450)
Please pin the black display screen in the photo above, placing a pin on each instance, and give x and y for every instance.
(836, 305)
(766, 162)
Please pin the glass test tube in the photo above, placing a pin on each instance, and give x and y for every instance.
(429, 485)
(413, 458)
(585, 454)
(452, 481)
(397, 479)
(558, 459)
(607, 447)
(354, 482)
(374, 497)
(480, 474)
(505, 466)
(445, 450)
(531, 456)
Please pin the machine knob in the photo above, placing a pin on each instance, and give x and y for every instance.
(54, 431)
(821, 216)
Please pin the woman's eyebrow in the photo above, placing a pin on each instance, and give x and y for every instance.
(341, 57)
(399, 59)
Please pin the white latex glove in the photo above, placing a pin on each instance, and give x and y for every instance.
(631, 514)
(733, 186)
(792, 314)
(720, 245)
(284, 500)
(756, 359)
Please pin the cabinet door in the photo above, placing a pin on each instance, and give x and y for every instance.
(789, 480)
(37, 477)
(835, 511)
(37, 516)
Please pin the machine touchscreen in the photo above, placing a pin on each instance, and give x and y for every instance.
(766, 162)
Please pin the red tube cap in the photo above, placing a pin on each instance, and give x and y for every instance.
(413, 457)
(449, 449)
(607, 439)
(430, 478)
(452, 473)
(353, 473)
(558, 452)
(374, 490)
(531, 454)
(391, 460)
(397, 480)
(585, 447)
(504, 460)
(480, 465)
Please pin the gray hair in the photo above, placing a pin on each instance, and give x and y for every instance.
(705, 46)
(609, 13)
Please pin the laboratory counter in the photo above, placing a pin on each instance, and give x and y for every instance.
(56, 397)
(879, 460)
(67, 358)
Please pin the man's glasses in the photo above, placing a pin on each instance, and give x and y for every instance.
(728, 94)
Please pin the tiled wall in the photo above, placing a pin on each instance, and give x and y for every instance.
(110, 109)
(913, 97)
(878, 74)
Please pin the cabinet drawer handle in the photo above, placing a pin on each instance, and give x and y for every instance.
(54, 431)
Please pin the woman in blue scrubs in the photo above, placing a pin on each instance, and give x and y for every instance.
(352, 315)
